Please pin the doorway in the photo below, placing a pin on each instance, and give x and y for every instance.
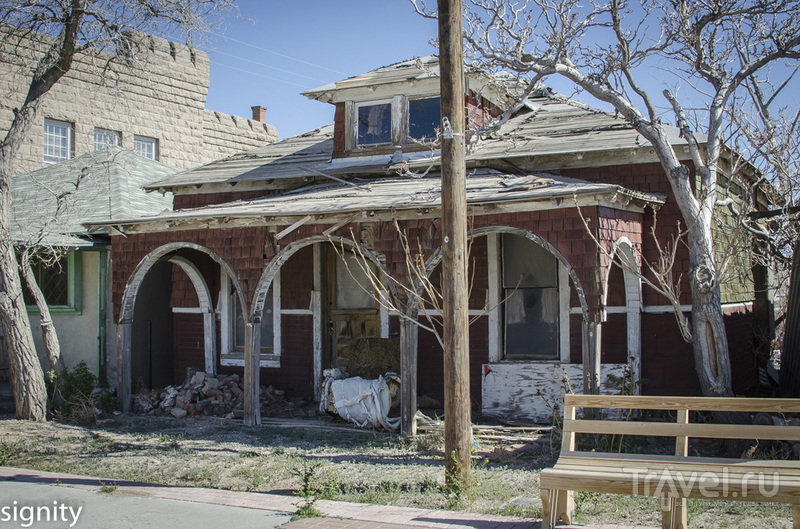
(352, 310)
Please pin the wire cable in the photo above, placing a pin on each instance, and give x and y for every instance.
(277, 53)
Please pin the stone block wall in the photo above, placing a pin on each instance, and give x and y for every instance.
(159, 94)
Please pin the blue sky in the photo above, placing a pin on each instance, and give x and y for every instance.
(278, 49)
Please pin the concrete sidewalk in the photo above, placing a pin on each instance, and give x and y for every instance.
(139, 504)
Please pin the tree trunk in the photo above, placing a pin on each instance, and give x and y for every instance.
(27, 378)
(789, 384)
(710, 344)
(30, 395)
(49, 336)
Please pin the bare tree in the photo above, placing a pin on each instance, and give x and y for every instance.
(616, 51)
(60, 32)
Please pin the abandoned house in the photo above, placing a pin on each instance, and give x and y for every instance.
(262, 266)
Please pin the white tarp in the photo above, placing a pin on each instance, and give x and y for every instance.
(365, 403)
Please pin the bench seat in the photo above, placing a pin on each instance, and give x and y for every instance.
(670, 477)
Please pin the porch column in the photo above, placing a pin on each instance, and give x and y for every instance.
(252, 375)
(124, 364)
(210, 340)
(318, 322)
(591, 357)
(408, 375)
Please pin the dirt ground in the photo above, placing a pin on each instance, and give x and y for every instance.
(334, 461)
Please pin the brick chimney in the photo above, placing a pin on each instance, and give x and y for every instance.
(259, 113)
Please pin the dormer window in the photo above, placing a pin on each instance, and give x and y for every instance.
(393, 122)
(423, 118)
(374, 122)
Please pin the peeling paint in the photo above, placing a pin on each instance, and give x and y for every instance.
(532, 390)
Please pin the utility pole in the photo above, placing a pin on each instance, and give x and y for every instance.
(457, 420)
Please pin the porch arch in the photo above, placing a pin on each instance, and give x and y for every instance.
(590, 328)
(251, 374)
(206, 307)
(434, 260)
(127, 305)
(623, 248)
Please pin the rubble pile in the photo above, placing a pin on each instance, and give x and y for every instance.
(219, 396)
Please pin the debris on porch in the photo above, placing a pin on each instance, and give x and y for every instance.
(365, 403)
(219, 396)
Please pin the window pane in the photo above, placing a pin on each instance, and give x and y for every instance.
(375, 124)
(353, 287)
(105, 138)
(423, 118)
(53, 281)
(266, 322)
(57, 141)
(239, 323)
(145, 147)
(532, 322)
(526, 264)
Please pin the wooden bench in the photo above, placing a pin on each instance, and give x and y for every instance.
(670, 477)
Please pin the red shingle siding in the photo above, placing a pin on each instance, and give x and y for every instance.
(207, 199)
(430, 362)
(241, 248)
(296, 374)
(614, 339)
(297, 280)
(183, 291)
(188, 344)
(667, 360)
(649, 178)
(741, 346)
(338, 130)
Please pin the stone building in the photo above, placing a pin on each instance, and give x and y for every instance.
(153, 104)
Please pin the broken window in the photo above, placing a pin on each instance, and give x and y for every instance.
(238, 322)
(353, 286)
(530, 293)
(374, 124)
(423, 118)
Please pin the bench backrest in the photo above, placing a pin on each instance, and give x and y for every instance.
(681, 429)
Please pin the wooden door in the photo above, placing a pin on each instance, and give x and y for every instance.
(352, 309)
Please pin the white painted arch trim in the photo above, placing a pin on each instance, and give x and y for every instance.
(493, 297)
(153, 258)
(633, 302)
(206, 308)
(273, 269)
